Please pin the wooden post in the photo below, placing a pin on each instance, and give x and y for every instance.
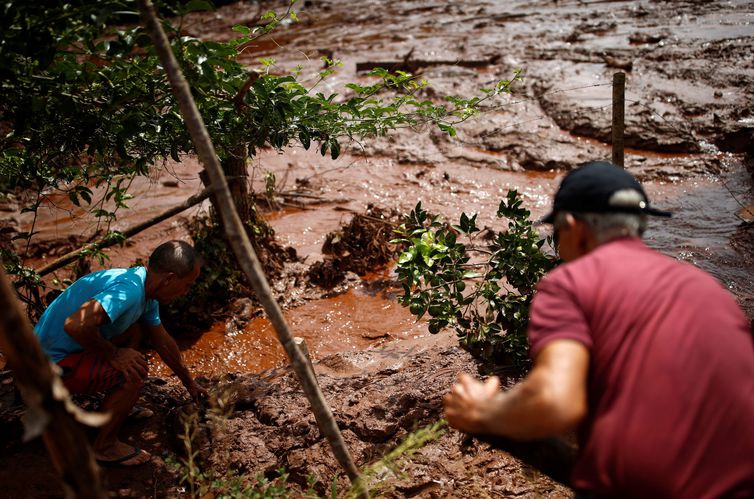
(239, 241)
(46, 410)
(619, 112)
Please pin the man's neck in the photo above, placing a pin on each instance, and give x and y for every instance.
(150, 284)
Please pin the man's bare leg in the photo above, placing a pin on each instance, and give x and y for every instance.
(119, 403)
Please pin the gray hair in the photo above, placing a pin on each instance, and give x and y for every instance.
(613, 225)
(177, 257)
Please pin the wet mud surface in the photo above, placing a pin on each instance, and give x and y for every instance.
(689, 68)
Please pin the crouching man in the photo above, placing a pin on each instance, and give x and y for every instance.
(93, 329)
(649, 358)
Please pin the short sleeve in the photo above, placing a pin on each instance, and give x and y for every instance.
(117, 298)
(151, 313)
(556, 314)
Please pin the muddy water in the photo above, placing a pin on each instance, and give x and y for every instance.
(700, 231)
(355, 320)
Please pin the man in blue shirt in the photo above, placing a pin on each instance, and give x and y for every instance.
(93, 328)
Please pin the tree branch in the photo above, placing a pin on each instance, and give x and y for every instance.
(45, 399)
(131, 231)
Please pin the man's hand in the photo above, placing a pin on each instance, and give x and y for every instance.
(131, 363)
(198, 392)
(468, 405)
(168, 351)
(551, 400)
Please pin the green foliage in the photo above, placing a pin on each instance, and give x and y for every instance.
(88, 101)
(491, 316)
(26, 278)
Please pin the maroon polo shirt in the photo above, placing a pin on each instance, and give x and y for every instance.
(671, 375)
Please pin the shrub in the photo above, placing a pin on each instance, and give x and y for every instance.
(491, 315)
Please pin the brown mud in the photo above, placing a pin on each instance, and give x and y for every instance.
(689, 128)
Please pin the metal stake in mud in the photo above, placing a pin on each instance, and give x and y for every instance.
(619, 111)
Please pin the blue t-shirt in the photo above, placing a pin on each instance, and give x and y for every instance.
(121, 294)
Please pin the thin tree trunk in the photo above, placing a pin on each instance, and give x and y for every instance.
(240, 242)
(234, 167)
(131, 231)
(46, 409)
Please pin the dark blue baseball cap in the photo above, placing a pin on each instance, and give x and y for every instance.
(589, 188)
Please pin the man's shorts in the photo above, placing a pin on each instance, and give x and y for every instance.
(87, 372)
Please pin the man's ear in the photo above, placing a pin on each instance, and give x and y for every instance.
(571, 221)
(164, 278)
(583, 234)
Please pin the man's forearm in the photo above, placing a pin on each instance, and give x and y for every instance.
(523, 413)
(167, 349)
(552, 399)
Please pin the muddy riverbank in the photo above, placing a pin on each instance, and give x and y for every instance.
(689, 69)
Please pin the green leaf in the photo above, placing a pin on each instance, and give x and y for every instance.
(240, 28)
(85, 193)
(74, 197)
(174, 152)
(334, 149)
(447, 129)
(198, 6)
(407, 256)
(304, 138)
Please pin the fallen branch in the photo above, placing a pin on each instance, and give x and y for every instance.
(293, 194)
(412, 65)
(131, 231)
(239, 241)
(45, 399)
(496, 18)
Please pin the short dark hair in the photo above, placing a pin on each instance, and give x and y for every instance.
(177, 257)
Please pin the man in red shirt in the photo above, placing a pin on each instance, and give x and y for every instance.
(649, 358)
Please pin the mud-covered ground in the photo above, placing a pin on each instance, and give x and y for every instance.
(689, 104)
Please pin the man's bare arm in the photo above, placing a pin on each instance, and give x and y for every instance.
(83, 326)
(167, 349)
(551, 400)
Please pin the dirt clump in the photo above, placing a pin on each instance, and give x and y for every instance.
(360, 246)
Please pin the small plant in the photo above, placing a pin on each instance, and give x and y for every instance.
(27, 282)
(490, 318)
(374, 475)
(270, 186)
